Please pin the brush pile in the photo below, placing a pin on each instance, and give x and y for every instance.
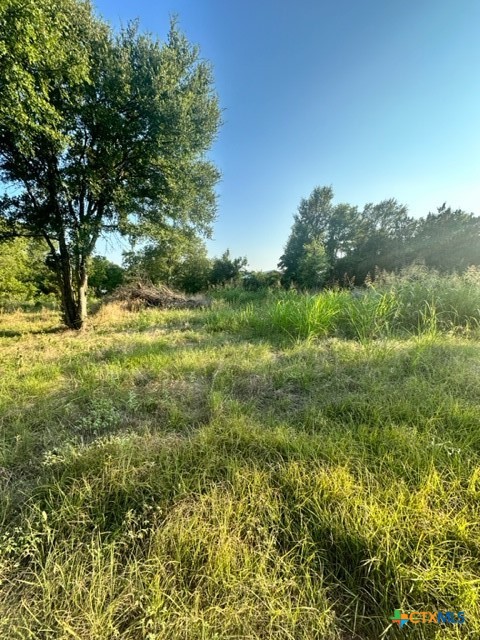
(138, 295)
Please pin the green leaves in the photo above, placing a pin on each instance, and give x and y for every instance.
(101, 131)
(313, 265)
(381, 237)
(23, 272)
(314, 223)
(44, 60)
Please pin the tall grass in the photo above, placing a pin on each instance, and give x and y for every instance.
(453, 299)
(414, 302)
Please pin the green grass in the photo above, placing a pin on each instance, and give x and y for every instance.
(417, 302)
(281, 466)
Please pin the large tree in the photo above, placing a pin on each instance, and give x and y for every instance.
(99, 132)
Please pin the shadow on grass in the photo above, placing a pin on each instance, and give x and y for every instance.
(319, 405)
(318, 390)
(10, 333)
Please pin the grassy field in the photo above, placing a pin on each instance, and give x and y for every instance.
(280, 466)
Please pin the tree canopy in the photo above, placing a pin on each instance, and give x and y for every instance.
(100, 131)
(178, 261)
(336, 242)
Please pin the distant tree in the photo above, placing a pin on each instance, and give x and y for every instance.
(179, 261)
(99, 132)
(226, 270)
(273, 278)
(448, 240)
(318, 220)
(158, 261)
(105, 276)
(193, 271)
(313, 266)
(255, 280)
(381, 240)
(24, 274)
(382, 237)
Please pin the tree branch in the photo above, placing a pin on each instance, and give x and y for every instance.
(9, 235)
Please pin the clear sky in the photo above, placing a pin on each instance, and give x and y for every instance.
(378, 98)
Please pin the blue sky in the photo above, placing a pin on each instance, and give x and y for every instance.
(378, 98)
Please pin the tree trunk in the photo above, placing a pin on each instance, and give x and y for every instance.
(74, 304)
(82, 294)
(73, 289)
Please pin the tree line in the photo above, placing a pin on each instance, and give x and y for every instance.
(342, 243)
(329, 244)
